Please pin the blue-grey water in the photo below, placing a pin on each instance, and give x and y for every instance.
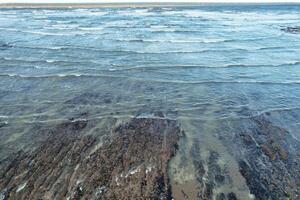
(206, 66)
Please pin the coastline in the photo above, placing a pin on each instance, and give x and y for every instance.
(150, 101)
(129, 5)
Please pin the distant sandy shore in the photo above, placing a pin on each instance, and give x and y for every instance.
(94, 5)
(113, 5)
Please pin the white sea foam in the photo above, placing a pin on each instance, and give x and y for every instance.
(137, 12)
(85, 12)
(54, 33)
(62, 27)
(195, 40)
(21, 187)
(44, 33)
(54, 48)
(91, 28)
(4, 116)
(50, 61)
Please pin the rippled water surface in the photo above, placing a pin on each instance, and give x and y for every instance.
(208, 67)
(215, 62)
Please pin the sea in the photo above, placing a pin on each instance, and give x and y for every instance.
(211, 68)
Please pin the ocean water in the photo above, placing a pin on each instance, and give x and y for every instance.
(209, 67)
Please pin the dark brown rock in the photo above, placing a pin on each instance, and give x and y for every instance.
(131, 164)
(268, 159)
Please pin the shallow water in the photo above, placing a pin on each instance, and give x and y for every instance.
(210, 68)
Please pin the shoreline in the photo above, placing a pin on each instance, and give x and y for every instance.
(129, 5)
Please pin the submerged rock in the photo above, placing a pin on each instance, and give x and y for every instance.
(90, 98)
(4, 46)
(210, 175)
(231, 196)
(294, 30)
(210, 179)
(269, 160)
(131, 164)
(2, 124)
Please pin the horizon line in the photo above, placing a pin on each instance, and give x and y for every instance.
(132, 4)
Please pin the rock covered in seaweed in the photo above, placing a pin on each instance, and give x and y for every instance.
(131, 164)
(268, 159)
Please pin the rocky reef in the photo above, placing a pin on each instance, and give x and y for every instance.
(269, 159)
(131, 163)
(264, 163)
